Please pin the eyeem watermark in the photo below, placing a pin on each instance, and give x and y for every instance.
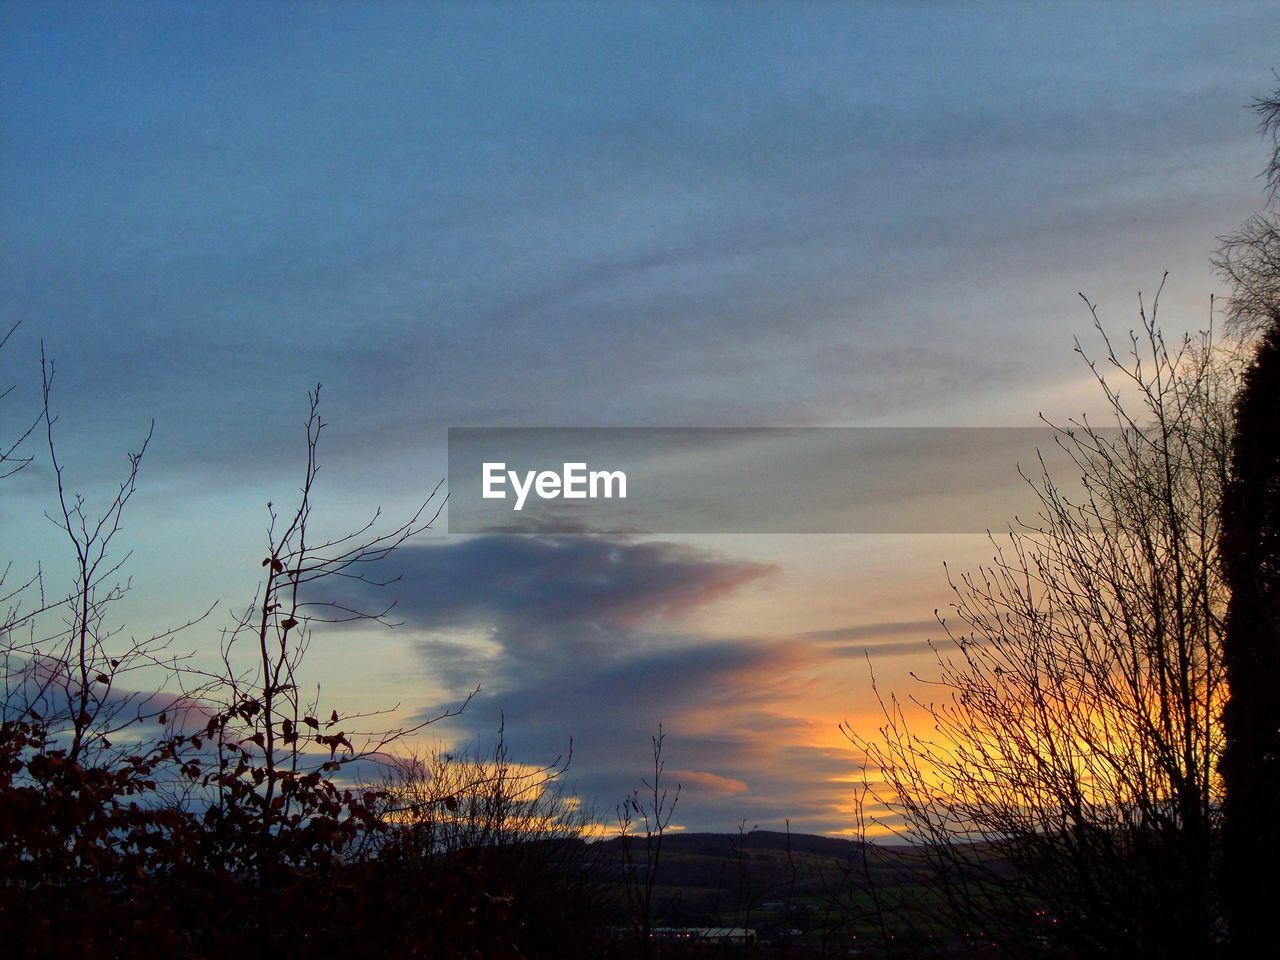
(713, 480)
(573, 482)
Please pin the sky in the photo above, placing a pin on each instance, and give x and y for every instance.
(493, 214)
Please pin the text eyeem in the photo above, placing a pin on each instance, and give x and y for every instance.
(574, 482)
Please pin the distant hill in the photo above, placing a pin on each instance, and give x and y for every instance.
(727, 844)
(810, 889)
(703, 876)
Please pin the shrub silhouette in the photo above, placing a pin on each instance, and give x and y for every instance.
(220, 813)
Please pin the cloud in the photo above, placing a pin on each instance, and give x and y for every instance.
(904, 648)
(575, 589)
(539, 224)
(585, 638)
(709, 783)
(870, 631)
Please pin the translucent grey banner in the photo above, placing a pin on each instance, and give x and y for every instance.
(706, 480)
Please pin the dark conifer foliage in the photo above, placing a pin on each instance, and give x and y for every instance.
(1251, 718)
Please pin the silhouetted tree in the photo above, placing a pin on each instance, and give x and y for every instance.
(1251, 556)
(152, 806)
(643, 819)
(80, 768)
(506, 830)
(10, 459)
(1062, 788)
(1251, 552)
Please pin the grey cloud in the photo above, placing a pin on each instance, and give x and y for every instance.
(580, 582)
(578, 638)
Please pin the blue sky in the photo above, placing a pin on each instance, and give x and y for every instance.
(592, 214)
